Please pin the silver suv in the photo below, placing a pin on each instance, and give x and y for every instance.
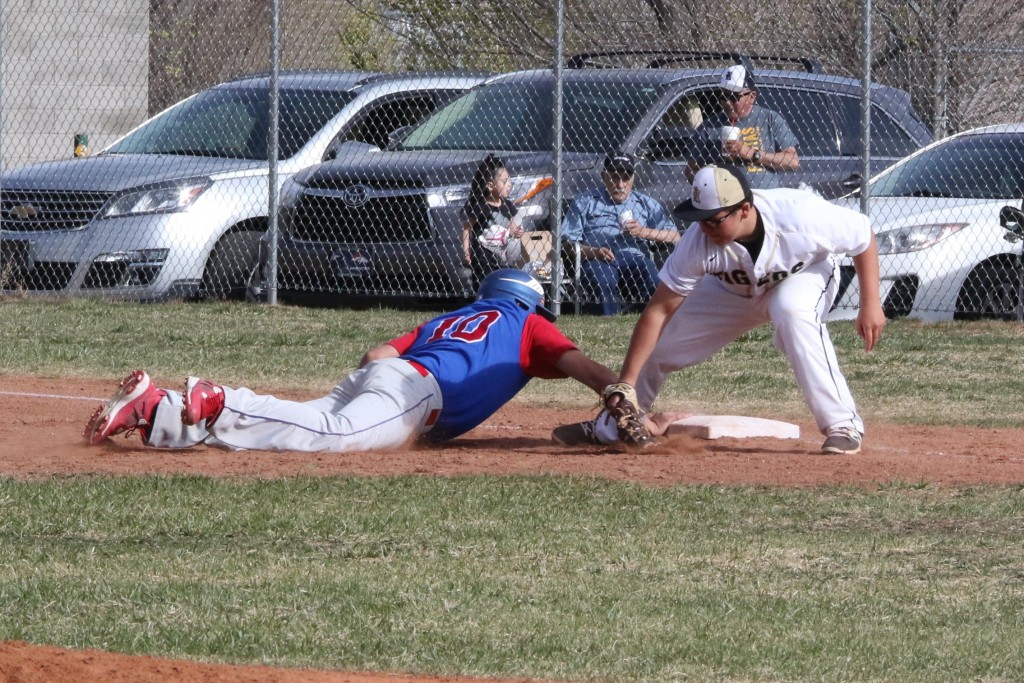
(175, 208)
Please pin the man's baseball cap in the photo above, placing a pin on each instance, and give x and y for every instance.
(737, 79)
(714, 188)
(620, 162)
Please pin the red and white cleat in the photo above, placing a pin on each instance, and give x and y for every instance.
(130, 408)
(202, 400)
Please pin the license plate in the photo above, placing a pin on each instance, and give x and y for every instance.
(351, 263)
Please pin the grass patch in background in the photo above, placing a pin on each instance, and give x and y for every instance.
(947, 373)
(542, 577)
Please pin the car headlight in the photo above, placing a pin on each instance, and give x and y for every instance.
(524, 190)
(163, 198)
(440, 197)
(915, 237)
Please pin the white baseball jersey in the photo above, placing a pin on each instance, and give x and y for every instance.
(792, 286)
(800, 228)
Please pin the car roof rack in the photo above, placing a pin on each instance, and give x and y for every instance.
(660, 59)
(438, 75)
(247, 75)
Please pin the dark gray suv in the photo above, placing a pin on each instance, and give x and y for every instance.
(387, 223)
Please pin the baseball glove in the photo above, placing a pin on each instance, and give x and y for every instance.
(622, 404)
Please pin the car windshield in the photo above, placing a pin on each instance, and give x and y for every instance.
(519, 117)
(234, 122)
(985, 166)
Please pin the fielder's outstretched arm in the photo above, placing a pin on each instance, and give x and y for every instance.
(583, 369)
(657, 313)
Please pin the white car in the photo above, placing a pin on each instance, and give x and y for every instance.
(175, 209)
(948, 222)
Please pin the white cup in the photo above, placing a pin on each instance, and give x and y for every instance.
(730, 133)
(625, 217)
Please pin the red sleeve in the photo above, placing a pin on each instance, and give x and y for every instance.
(404, 343)
(542, 347)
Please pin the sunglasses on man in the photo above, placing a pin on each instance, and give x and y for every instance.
(736, 96)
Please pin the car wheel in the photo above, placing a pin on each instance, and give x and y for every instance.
(230, 264)
(994, 291)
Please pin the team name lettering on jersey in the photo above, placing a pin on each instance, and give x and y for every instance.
(779, 276)
(470, 328)
(736, 277)
(740, 277)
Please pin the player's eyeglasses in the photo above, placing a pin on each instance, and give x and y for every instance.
(715, 222)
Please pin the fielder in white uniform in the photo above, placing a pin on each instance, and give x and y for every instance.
(752, 258)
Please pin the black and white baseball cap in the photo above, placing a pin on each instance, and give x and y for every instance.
(620, 162)
(737, 79)
(715, 188)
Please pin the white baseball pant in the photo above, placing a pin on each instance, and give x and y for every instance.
(797, 307)
(383, 405)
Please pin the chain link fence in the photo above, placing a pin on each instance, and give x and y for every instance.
(417, 144)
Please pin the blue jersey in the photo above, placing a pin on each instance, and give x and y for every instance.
(481, 356)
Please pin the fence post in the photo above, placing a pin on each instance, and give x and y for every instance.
(556, 210)
(272, 147)
(2, 165)
(865, 104)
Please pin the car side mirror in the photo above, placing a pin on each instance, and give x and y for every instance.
(348, 149)
(852, 182)
(396, 136)
(1012, 220)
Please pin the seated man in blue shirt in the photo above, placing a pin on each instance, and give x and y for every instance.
(614, 226)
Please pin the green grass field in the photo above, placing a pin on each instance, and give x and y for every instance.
(951, 373)
(545, 577)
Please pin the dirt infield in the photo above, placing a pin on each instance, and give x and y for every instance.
(24, 663)
(41, 437)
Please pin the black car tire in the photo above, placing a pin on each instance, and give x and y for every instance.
(230, 263)
(992, 292)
